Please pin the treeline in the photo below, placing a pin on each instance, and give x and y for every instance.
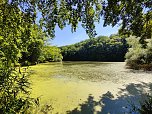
(102, 48)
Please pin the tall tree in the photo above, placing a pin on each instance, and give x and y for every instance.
(134, 16)
(14, 38)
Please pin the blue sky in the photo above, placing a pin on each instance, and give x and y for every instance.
(66, 37)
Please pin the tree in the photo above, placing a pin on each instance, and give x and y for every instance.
(34, 48)
(101, 48)
(132, 15)
(50, 53)
(61, 13)
(14, 38)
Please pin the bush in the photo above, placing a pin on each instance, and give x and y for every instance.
(138, 57)
(14, 84)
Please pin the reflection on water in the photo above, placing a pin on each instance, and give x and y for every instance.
(84, 87)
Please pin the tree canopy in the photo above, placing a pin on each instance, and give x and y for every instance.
(102, 48)
(61, 13)
(132, 15)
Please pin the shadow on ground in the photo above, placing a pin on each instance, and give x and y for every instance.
(122, 104)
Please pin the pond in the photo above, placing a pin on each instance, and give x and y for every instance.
(89, 87)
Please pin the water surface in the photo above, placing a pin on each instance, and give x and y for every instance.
(88, 87)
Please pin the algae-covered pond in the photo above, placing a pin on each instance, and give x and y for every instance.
(89, 87)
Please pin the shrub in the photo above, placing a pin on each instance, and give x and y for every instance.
(138, 57)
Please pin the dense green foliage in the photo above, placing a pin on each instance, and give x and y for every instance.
(102, 48)
(34, 47)
(137, 56)
(134, 16)
(50, 53)
(14, 39)
(131, 15)
(61, 13)
(38, 50)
